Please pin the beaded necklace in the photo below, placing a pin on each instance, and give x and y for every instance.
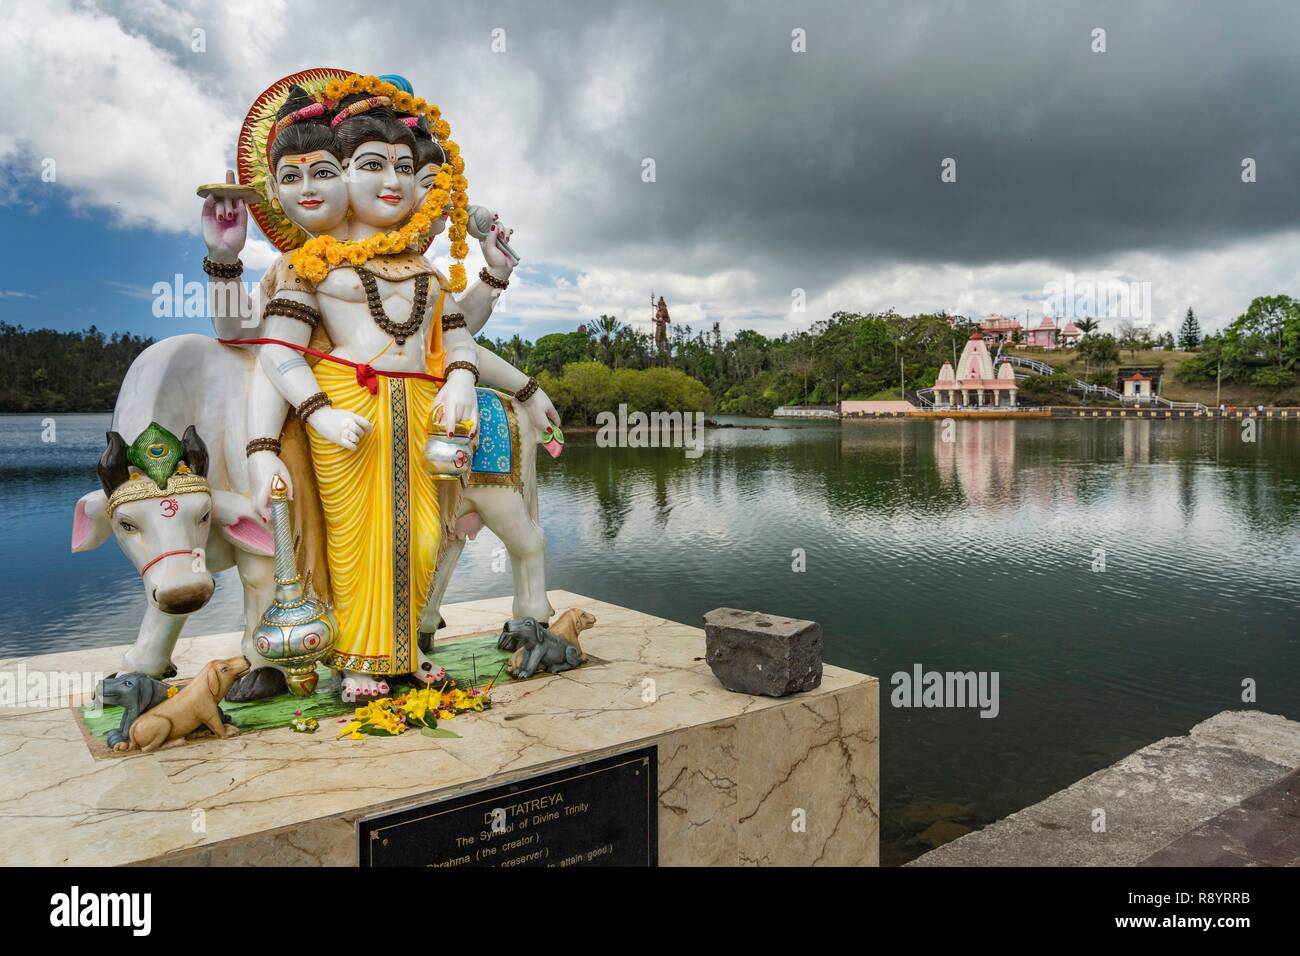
(400, 331)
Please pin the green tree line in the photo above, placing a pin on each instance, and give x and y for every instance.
(1261, 347)
(49, 371)
(850, 355)
(604, 363)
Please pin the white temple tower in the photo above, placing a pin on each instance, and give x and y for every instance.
(975, 383)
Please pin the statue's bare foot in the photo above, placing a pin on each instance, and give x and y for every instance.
(426, 671)
(361, 687)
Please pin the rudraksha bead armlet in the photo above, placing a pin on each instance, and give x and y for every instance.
(262, 444)
(311, 404)
(292, 310)
(528, 391)
(489, 279)
(467, 366)
(223, 270)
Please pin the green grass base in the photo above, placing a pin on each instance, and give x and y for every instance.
(472, 662)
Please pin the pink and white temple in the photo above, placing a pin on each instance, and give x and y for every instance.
(975, 383)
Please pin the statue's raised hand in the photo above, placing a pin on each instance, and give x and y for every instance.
(344, 429)
(225, 225)
(497, 258)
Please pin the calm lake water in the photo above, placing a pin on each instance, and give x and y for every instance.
(974, 554)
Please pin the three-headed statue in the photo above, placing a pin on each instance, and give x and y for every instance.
(363, 350)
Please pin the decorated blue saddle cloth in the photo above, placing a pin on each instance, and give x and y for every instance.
(496, 458)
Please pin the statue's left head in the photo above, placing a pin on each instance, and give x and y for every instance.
(305, 166)
(156, 500)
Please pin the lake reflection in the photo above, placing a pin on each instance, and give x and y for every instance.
(970, 546)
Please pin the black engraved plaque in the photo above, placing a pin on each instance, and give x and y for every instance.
(600, 813)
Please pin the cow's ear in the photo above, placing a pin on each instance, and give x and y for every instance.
(238, 523)
(90, 527)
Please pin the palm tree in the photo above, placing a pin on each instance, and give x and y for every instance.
(1087, 326)
(606, 328)
(517, 351)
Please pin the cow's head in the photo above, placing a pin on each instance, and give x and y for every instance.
(163, 526)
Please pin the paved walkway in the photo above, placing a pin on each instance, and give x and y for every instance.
(1262, 830)
(1151, 800)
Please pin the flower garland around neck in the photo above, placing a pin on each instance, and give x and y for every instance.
(316, 257)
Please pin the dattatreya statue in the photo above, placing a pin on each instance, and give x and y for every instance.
(359, 336)
(352, 329)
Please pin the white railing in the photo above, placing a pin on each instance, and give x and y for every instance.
(1042, 368)
(1184, 406)
(945, 407)
(806, 411)
(1088, 388)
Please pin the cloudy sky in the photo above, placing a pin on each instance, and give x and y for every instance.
(798, 150)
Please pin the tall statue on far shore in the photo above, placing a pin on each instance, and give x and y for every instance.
(362, 350)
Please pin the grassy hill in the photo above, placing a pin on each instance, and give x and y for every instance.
(1232, 394)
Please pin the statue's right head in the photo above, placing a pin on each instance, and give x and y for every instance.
(429, 157)
(307, 169)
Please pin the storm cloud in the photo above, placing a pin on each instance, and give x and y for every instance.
(776, 169)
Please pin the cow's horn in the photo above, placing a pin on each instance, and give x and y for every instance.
(196, 453)
(112, 464)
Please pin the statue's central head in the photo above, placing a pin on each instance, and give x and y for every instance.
(379, 156)
(381, 183)
(388, 150)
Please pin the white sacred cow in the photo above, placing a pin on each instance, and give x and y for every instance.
(196, 385)
(187, 384)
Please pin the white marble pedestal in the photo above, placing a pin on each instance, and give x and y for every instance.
(742, 780)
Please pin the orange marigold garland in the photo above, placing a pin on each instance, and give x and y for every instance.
(317, 256)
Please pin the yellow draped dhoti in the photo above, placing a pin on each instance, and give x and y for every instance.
(382, 521)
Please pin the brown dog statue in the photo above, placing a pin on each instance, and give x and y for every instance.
(193, 707)
(570, 624)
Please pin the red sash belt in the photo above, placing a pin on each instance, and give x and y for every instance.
(367, 375)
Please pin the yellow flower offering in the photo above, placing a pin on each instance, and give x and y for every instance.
(416, 709)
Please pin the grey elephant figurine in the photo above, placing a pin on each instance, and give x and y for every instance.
(536, 648)
(134, 693)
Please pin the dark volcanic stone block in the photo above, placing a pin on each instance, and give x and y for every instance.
(752, 653)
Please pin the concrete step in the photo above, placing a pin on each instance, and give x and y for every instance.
(1150, 799)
